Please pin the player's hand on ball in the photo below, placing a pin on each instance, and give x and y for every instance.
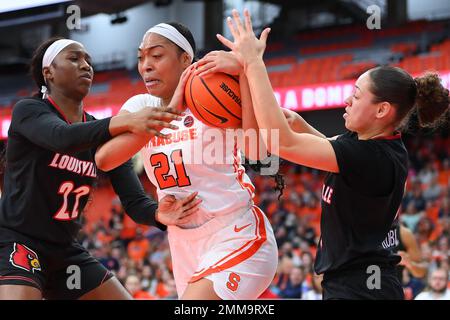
(247, 47)
(219, 61)
(177, 102)
(173, 211)
(150, 121)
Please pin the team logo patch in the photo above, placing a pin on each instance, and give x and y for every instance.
(188, 121)
(24, 258)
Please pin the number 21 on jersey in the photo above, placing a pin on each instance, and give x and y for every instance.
(160, 161)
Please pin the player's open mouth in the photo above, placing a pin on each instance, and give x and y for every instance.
(151, 83)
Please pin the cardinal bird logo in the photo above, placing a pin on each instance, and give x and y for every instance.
(24, 258)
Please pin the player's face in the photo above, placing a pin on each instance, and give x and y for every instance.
(360, 111)
(160, 65)
(71, 72)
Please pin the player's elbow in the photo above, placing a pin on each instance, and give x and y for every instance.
(101, 161)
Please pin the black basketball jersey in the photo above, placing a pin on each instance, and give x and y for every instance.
(360, 203)
(50, 172)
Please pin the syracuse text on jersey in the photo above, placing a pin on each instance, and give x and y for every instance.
(209, 146)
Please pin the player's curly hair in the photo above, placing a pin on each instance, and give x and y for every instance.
(423, 98)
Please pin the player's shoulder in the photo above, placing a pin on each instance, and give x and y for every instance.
(141, 101)
(29, 101)
(30, 104)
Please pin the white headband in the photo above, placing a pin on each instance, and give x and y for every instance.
(50, 54)
(171, 33)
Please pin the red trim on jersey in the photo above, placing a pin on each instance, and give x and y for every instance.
(61, 112)
(241, 254)
(103, 280)
(397, 135)
(20, 278)
(240, 173)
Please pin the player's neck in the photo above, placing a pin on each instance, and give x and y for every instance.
(165, 102)
(72, 108)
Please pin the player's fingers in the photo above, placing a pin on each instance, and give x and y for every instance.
(205, 68)
(169, 198)
(211, 55)
(264, 35)
(157, 133)
(187, 215)
(227, 43)
(189, 198)
(161, 109)
(231, 27)
(248, 21)
(237, 21)
(162, 124)
(164, 116)
(191, 205)
(212, 70)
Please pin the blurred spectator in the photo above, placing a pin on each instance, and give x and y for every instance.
(411, 216)
(133, 285)
(433, 191)
(424, 230)
(171, 290)
(294, 288)
(427, 174)
(415, 196)
(437, 284)
(148, 282)
(444, 210)
(109, 260)
(138, 248)
(316, 290)
(307, 262)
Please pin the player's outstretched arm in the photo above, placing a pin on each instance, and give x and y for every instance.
(298, 124)
(306, 149)
(40, 125)
(121, 148)
(227, 62)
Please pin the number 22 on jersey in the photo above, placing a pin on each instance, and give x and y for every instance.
(160, 162)
(66, 189)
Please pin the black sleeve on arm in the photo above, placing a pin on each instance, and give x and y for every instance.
(39, 124)
(363, 165)
(138, 205)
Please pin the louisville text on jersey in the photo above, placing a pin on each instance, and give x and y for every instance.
(72, 164)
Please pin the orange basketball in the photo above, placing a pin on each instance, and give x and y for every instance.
(215, 99)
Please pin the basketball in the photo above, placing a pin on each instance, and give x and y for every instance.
(215, 99)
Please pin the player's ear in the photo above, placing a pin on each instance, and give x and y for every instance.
(185, 60)
(384, 109)
(47, 74)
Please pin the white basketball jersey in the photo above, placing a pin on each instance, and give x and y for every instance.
(199, 158)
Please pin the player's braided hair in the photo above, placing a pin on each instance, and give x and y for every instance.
(278, 177)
